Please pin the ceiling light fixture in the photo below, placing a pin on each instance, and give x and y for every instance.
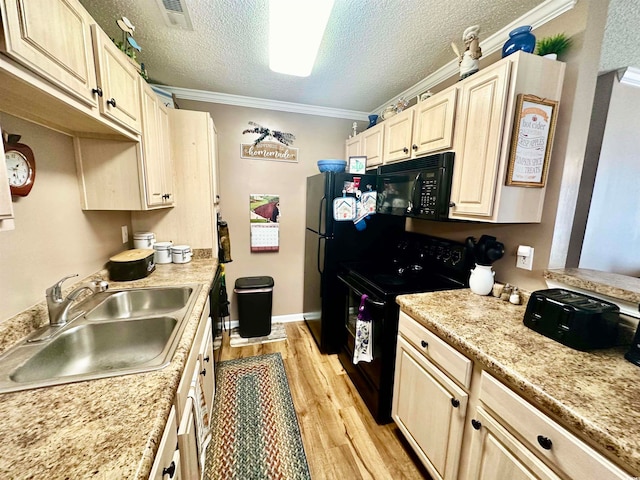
(295, 30)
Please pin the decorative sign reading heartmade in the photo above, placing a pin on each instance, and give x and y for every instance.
(269, 151)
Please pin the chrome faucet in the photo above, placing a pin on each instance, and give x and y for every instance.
(59, 307)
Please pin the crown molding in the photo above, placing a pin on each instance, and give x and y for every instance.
(629, 76)
(543, 13)
(253, 102)
(540, 15)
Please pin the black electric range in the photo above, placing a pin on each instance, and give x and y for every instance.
(416, 263)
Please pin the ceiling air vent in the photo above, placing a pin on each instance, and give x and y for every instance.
(175, 14)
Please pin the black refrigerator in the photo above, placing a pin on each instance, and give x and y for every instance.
(328, 243)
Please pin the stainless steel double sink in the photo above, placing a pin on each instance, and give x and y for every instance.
(114, 333)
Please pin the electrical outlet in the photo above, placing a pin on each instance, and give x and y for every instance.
(125, 234)
(525, 257)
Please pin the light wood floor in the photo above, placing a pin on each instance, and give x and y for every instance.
(342, 441)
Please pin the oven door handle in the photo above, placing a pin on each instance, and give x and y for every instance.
(375, 303)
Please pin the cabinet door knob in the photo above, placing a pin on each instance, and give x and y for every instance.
(204, 372)
(170, 470)
(545, 442)
(112, 102)
(475, 424)
(452, 204)
(206, 359)
(415, 147)
(455, 402)
(405, 150)
(97, 91)
(424, 344)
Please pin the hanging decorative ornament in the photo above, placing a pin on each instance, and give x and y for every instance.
(282, 137)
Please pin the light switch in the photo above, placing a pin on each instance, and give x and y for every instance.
(125, 234)
(525, 257)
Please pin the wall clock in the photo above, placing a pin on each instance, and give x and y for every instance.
(21, 166)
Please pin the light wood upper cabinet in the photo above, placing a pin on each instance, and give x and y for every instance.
(433, 123)
(6, 205)
(372, 145)
(53, 39)
(397, 136)
(129, 175)
(479, 129)
(352, 148)
(158, 167)
(119, 81)
(482, 139)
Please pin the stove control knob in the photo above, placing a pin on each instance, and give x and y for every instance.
(456, 256)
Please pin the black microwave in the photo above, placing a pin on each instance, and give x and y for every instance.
(419, 188)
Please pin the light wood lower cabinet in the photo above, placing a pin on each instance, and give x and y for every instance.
(167, 462)
(496, 454)
(194, 399)
(430, 410)
(502, 436)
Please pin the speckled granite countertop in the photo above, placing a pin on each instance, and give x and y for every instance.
(596, 394)
(613, 285)
(104, 429)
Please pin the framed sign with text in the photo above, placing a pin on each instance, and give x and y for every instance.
(534, 126)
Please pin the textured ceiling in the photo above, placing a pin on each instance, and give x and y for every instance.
(372, 50)
(620, 44)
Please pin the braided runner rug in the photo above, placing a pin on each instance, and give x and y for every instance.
(255, 432)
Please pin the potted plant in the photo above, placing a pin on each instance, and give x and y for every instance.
(551, 47)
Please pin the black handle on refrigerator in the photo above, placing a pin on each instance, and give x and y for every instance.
(322, 201)
(320, 238)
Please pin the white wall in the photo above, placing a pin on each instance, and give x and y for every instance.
(612, 236)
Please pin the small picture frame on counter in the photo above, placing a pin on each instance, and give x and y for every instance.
(357, 164)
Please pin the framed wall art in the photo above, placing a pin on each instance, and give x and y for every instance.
(357, 164)
(531, 141)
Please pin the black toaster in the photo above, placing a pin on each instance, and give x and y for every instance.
(573, 319)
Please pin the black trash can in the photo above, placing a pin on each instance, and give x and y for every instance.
(255, 296)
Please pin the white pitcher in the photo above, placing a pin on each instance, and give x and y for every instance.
(481, 279)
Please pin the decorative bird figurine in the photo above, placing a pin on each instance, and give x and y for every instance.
(282, 137)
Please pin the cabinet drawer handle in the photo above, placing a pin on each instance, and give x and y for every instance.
(452, 204)
(545, 442)
(415, 147)
(112, 102)
(455, 402)
(475, 424)
(424, 344)
(204, 372)
(170, 470)
(405, 150)
(97, 91)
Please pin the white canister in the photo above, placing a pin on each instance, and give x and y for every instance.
(162, 252)
(143, 239)
(481, 279)
(181, 254)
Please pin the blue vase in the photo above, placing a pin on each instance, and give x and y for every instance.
(372, 120)
(520, 38)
